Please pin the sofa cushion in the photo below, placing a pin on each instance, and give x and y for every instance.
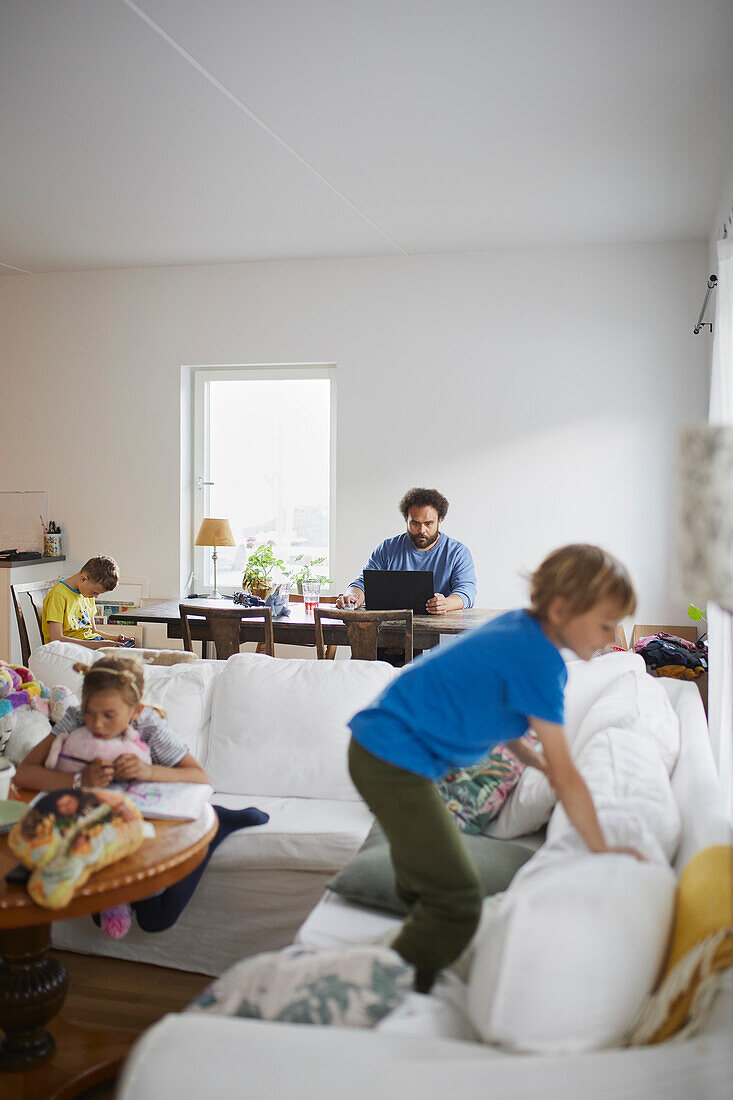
(475, 795)
(306, 834)
(638, 703)
(183, 690)
(571, 953)
(53, 664)
(702, 945)
(352, 988)
(625, 772)
(527, 808)
(369, 878)
(185, 693)
(279, 726)
(587, 680)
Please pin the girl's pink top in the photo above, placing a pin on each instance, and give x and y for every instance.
(70, 752)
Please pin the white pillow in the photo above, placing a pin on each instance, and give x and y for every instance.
(529, 806)
(587, 680)
(278, 727)
(352, 987)
(53, 664)
(185, 693)
(625, 772)
(637, 703)
(527, 809)
(572, 951)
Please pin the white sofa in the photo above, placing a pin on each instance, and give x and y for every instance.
(271, 734)
(427, 1047)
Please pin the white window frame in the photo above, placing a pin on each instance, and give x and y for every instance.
(201, 480)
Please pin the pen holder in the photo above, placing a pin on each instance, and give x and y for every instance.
(51, 546)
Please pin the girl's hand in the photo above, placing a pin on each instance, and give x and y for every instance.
(129, 766)
(98, 774)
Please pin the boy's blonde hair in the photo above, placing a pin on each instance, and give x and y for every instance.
(102, 570)
(122, 674)
(583, 575)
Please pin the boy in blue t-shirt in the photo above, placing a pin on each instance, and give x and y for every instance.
(449, 709)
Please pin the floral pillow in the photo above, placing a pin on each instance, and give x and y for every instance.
(475, 795)
(354, 987)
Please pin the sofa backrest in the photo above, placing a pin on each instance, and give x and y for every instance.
(184, 690)
(278, 727)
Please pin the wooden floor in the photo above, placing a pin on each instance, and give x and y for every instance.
(119, 994)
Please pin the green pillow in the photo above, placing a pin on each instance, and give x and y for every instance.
(369, 878)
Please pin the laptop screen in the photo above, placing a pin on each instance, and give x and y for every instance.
(398, 589)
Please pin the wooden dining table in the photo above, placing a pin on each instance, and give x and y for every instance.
(297, 628)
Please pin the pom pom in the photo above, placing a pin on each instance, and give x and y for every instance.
(115, 922)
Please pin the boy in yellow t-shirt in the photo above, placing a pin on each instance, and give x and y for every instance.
(68, 609)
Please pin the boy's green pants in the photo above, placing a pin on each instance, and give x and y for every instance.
(435, 877)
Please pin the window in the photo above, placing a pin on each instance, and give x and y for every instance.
(262, 452)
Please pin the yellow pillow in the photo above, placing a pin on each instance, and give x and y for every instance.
(701, 945)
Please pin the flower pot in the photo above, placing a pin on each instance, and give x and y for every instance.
(261, 588)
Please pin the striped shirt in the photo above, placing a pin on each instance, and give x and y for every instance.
(166, 748)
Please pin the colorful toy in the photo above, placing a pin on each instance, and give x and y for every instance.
(68, 834)
(70, 752)
(17, 687)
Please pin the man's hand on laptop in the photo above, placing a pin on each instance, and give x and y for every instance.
(436, 605)
(351, 599)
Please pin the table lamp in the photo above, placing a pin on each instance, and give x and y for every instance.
(215, 532)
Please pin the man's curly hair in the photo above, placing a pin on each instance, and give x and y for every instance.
(424, 498)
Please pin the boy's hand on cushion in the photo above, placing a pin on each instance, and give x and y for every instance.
(621, 851)
(129, 766)
(527, 756)
(99, 773)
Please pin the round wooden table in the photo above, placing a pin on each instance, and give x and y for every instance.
(58, 1062)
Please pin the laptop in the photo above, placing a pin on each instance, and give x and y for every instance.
(395, 589)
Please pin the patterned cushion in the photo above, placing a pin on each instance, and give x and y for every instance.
(355, 987)
(475, 795)
(702, 945)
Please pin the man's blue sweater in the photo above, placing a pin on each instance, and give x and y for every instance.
(449, 559)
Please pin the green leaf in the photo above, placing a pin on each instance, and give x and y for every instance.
(695, 613)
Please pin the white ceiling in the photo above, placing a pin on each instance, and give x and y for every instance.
(203, 131)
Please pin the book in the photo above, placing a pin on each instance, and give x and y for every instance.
(183, 801)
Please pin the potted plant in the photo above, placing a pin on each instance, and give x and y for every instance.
(305, 571)
(259, 567)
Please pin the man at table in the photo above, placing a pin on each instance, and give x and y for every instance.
(423, 546)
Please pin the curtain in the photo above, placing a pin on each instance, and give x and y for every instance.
(720, 622)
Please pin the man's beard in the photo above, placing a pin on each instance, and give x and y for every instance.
(422, 544)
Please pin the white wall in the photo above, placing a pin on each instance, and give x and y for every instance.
(541, 391)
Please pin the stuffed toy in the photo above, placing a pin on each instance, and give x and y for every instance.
(59, 700)
(20, 731)
(71, 751)
(68, 834)
(17, 687)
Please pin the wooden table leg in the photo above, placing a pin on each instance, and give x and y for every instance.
(37, 1063)
(32, 990)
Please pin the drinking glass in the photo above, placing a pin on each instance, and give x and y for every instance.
(311, 594)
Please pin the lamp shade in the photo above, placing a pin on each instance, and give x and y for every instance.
(215, 532)
(706, 515)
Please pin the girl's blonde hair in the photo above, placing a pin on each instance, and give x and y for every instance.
(583, 575)
(122, 674)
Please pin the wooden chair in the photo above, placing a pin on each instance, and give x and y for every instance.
(362, 630)
(620, 638)
(223, 625)
(36, 592)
